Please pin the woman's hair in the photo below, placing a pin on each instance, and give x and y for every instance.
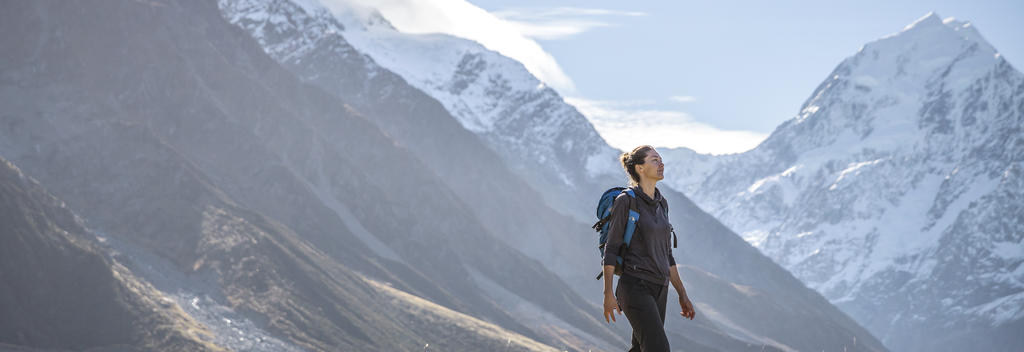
(634, 158)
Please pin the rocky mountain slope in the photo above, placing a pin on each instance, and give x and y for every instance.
(45, 254)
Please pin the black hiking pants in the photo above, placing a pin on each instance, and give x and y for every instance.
(643, 303)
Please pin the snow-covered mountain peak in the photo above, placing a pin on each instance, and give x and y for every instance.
(934, 25)
(271, 20)
(924, 48)
(442, 63)
(280, 13)
(489, 94)
(876, 95)
(931, 22)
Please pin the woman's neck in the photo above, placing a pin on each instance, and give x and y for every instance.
(648, 186)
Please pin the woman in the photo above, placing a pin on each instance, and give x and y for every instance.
(648, 265)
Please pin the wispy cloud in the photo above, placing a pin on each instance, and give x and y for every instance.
(564, 11)
(560, 22)
(553, 30)
(683, 98)
(625, 127)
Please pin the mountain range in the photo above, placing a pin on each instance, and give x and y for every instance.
(896, 190)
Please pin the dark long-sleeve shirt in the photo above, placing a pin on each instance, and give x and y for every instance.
(649, 254)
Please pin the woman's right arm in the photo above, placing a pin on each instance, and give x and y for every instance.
(610, 305)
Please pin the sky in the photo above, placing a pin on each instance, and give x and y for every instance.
(713, 76)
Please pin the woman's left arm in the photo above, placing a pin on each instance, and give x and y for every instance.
(684, 301)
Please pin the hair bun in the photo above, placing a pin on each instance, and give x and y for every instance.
(633, 158)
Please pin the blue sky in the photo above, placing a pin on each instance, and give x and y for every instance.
(715, 76)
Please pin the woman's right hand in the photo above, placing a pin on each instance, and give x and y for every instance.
(610, 306)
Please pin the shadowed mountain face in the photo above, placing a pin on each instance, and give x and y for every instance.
(170, 131)
(58, 284)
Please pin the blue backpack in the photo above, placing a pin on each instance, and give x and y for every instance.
(604, 215)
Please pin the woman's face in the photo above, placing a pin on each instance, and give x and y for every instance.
(652, 168)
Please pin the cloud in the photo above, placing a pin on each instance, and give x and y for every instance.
(559, 22)
(463, 19)
(683, 98)
(552, 30)
(625, 127)
(558, 12)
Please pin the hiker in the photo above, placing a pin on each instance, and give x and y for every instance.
(647, 264)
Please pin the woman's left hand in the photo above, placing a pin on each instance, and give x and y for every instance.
(684, 303)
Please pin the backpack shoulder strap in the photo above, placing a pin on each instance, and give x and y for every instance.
(664, 206)
(634, 215)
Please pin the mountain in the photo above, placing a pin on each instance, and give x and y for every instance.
(328, 49)
(269, 210)
(896, 191)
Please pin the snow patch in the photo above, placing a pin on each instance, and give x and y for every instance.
(852, 167)
(773, 178)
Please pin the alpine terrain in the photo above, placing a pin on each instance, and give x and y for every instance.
(897, 192)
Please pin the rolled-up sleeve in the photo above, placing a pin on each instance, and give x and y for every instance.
(616, 229)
